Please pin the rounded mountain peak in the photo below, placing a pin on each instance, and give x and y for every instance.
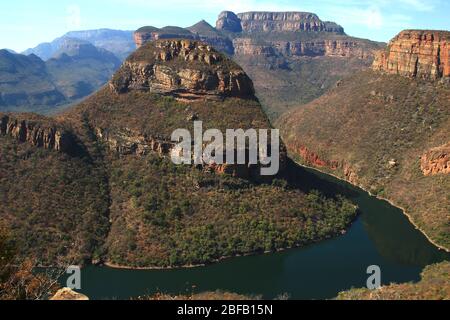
(183, 68)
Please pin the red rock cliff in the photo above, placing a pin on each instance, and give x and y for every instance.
(416, 53)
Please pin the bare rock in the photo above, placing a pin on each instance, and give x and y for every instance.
(416, 54)
(436, 161)
(69, 295)
(185, 69)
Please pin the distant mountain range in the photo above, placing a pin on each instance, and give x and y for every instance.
(76, 70)
(119, 42)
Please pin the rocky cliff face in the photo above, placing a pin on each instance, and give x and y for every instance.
(312, 48)
(285, 21)
(127, 142)
(436, 161)
(274, 21)
(39, 133)
(185, 69)
(417, 53)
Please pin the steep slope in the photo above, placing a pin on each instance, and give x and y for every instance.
(78, 68)
(25, 83)
(166, 215)
(388, 133)
(54, 195)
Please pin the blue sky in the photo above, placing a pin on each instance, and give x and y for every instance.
(25, 23)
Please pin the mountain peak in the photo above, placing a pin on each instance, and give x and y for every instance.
(183, 68)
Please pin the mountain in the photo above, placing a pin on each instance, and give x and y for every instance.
(387, 129)
(99, 184)
(209, 34)
(119, 42)
(78, 68)
(277, 49)
(26, 83)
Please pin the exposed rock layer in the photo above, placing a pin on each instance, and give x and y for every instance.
(312, 48)
(274, 21)
(436, 161)
(416, 53)
(38, 133)
(285, 21)
(186, 69)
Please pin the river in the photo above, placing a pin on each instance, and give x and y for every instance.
(382, 235)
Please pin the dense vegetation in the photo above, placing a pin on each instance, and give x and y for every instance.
(166, 215)
(56, 205)
(433, 286)
(376, 127)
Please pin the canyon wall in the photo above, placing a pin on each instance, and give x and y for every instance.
(274, 21)
(416, 53)
(36, 132)
(312, 48)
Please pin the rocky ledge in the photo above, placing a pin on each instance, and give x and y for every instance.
(313, 48)
(185, 69)
(416, 53)
(37, 131)
(436, 161)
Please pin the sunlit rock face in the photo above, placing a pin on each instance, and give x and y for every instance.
(416, 53)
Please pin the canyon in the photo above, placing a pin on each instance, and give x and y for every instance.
(401, 152)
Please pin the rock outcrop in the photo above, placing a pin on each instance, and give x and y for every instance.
(69, 295)
(274, 21)
(127, 142)
(37, 132)
(436, 161)
(228, 21)
(416, 53)
(185, 69)
(312, 48)
(285, 21)
(147, 34)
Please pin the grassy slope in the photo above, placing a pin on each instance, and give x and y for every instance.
(435, 285)
(369, 120)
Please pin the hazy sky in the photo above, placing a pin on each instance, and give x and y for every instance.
(26, 23)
